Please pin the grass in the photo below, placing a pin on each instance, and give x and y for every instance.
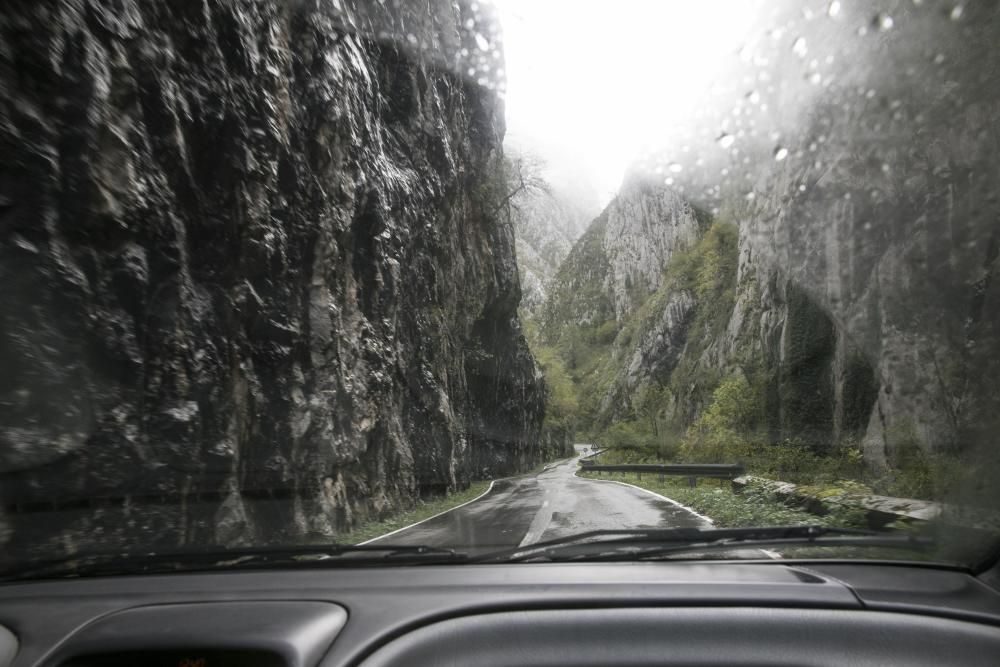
(752, 507)
(423, 510)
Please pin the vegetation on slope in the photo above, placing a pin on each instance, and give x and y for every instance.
(714, 405)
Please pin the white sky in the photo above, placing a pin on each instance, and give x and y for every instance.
(591, 84)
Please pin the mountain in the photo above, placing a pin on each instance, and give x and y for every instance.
(259, 282)
(822, 283)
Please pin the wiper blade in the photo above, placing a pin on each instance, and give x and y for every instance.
(174, 560)
(661, 542)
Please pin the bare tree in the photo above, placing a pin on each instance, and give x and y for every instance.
(522, 177)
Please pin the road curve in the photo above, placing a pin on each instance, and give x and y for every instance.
(518, 511)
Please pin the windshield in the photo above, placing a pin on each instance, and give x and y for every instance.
(477, 276)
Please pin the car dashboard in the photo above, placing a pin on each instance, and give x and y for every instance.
(651, 613)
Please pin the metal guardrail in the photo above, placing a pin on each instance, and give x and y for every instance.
(690, 470)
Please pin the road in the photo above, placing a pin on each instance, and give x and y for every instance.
(519, 511)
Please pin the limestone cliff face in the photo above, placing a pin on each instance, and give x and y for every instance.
(714, 306)
(862, 291)
(257, 286)
(546, 224)
(646, 224)
(618, 262)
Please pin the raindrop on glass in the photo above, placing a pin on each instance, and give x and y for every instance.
(799, 47)
(669, 181)
(482, 42)
(956, 12)
(674, 167)
(726, 140)
(780, 153)
(750, 196)
(884, 22)
(834, 8)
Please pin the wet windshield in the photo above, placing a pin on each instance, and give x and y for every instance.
(484, 275)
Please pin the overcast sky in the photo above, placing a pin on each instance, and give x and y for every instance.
(592, 84)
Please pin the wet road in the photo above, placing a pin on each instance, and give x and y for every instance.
(518, 511)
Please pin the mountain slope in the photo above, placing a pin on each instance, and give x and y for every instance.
(259, 283)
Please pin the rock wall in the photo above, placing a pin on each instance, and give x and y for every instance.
(257, 286)
(862, 185)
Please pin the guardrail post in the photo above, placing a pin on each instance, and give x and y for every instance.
(661, 477)
(639, 474)
(692, 482)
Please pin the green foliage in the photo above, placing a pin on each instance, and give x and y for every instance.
(917, 473)
(722, 431)
(561, 402)
(605, 334)
(629, 435)
(707, 270)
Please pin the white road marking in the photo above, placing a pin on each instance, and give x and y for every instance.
(398, 530)
(538, 525)
(652, 493)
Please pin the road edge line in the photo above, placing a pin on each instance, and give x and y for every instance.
(698, 514)
(450, 509)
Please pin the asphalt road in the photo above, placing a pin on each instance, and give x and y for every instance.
(519, 511)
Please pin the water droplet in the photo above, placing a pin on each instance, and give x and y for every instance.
(669, 181)
(470, 24)
(471, 71)
(799, 47)
(482, 42)
(862, 31)
(886, 168)
(802, 187)
(726, 140)
(870, 93)
(411, 38)
(939, 58)
(676, 168)
(834, 8)
(750, 196)
(956, 12)
(780, 153)
(815, 78)
(884, 22)
(753, 97)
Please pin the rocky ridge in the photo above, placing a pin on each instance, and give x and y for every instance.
(258, 284)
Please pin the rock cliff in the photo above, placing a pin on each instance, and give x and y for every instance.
(258, 283)
(848, 271)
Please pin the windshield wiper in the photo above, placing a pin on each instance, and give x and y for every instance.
(664, 542)
(176, 560)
